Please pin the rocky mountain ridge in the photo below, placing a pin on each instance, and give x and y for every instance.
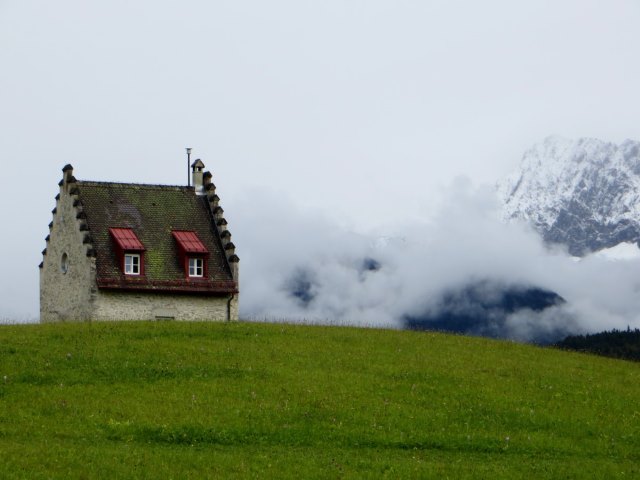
(582, 193)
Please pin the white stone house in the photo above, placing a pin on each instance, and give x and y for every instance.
(123, 251)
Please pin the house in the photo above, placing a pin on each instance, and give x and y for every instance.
(123, 251)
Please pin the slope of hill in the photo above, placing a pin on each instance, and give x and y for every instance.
(584, 193)
(196, 400)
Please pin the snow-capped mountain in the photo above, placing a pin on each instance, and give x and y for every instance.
(582, 193)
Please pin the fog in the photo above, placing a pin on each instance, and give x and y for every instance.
(306, 266)
(334, 131)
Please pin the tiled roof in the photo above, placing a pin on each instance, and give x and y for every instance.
(153, 213)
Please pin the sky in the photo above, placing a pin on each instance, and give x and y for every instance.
(360, 117)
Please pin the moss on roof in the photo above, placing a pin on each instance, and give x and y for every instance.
(153, 212)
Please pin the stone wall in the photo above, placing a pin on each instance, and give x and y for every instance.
(66, 295)
(122, 305)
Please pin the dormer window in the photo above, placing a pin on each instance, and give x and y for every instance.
(193, 253)
(129, 250)
(132, 264)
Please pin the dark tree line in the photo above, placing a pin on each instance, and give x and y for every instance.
(624, 344)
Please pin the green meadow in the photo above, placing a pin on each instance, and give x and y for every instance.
(249, 400)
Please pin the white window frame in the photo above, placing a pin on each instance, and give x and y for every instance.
(132, 267)
(196, 267)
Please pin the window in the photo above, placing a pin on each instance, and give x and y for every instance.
(132, 264)
(196, 267)
(64, 263)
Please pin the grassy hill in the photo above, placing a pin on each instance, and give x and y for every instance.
(196, 400)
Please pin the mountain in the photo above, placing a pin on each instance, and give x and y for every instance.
(485, 308)
(582, 193)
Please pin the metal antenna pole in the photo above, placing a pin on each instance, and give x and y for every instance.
(188, 167)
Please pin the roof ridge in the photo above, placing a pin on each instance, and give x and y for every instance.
(130, 184)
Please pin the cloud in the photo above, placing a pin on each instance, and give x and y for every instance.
(305, 266)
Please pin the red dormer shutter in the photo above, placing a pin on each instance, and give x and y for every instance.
(190, 246)
(126, 241)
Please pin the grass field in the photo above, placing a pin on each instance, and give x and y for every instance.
(194, 400)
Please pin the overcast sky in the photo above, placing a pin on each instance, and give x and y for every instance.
(363, 111)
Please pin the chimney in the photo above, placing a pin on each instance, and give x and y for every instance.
(188, 166)
(198, 172)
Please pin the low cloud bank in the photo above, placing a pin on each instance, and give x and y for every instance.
(491, 309)
(301, 266)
